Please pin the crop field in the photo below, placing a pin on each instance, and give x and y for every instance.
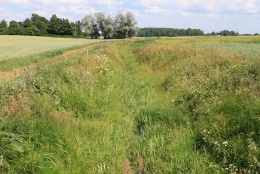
(23, 46)
(20, 51)
(157, 105)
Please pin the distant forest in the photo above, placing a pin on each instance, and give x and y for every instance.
(170, 32)
(122, 25)
(173, 32)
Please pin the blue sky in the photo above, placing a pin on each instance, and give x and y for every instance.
(209, 15)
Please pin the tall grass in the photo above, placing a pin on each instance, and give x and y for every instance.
(134, 107)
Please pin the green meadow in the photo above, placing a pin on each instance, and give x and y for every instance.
(158, 105)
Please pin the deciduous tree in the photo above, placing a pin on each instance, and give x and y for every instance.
(27, 23)
(59, 26)
(40, 22)
(89, 26)
(125, 25)
(3, 24)
(14, 24)
(105, 24)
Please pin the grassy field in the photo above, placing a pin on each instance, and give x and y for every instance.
(20, 51)
(23, 46)
(136, 106)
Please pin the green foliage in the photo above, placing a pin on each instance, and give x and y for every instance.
(31, 31)
(105, 24)
(38, 25)
(40, 22)
(59, 26)
(123, 26)
(90, 27)
(227, 33)
(76, 30)
(27, 23)
(13, 24)
(3, 24)
(170, 32)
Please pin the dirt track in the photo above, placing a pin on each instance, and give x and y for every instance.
(7, 75)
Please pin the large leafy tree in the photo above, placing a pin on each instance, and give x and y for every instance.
(14, 28)
(90, 27)
(27, 23)
(105, 24)
(66, 28)
(14, 24)
(59, 26)
(40, 22)
(125, 25)
(131, 23)
(121, 29)
(54, 25)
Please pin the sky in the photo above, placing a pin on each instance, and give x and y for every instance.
(242, 16)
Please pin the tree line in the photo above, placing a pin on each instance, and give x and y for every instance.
(173, 32)
(224, 33)
(123, 25)
(38, 25)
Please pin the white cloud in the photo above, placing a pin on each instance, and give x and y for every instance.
(121, 3)
(155, 2)
(212, 15)
(248, 6)
(18, 2)
(57, 2)
(185, 14)
(158, 10)
(77, 9)
(73, 2)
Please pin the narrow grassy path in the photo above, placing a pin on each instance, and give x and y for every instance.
(162, 141)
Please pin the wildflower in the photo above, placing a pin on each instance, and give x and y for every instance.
(204, 130)
(225, 143)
